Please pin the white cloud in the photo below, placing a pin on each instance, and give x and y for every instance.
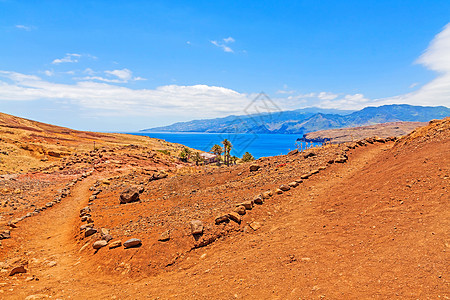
(24, 27)
(123, 74)
(327, 96)
(49, 72)
(223, 44)
(69, 58)
(196, 100)
(413, 85)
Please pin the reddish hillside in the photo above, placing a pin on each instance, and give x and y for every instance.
(368, 220)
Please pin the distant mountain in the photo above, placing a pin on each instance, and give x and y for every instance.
(306, 120)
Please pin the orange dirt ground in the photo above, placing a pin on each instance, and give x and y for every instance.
(375, 225)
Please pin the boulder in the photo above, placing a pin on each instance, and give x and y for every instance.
(17, 270)
(115, 244)
(254, 168)
(99, 244)
(305, 176)
(240, 210)
(258, 200)
(255, 225)
(278, 191)
(299, 181)
(267, 195)
(293, 184)
(132, 243)
(5, 234)
(90, 231)
(234, 216)
(165, 236)
(284, 187)
(196, 227)
(222, 218)
(130, 194)
(107, 237)
(247, 204)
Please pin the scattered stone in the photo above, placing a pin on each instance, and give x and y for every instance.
(255, 225)
(267, 195)
(340, 159)
(254, 168)
(107, 237)
(314, 171)
(132, 243)
(284, 187)
(293, 152)
(104, 231)
(258, 200)
(278, 191)
(131, 194)
(37, 297)
(99, 244)
(49, 204)
(224, 218)
(92, 198)
(90, 231)
(235, 217)
(86, 226)
(247, 204)
(5, 234)
(17, 270)
(293, 184)
(96, 192)
(165, 236)
(299, 181)
(115, 244)
(240, 210)
(52, 264)
(309, 154)
(305, 176)
(196, 227)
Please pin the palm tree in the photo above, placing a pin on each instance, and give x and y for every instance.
(217, 150)
(227, 148)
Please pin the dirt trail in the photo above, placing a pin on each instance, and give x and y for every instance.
(312, 244)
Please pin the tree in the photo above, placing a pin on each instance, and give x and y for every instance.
(234, 159)
(226, 149)
(217, 150)
(185, 154)
(197, 158)
(247, 157)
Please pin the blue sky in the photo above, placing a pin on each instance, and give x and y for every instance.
(128, 65)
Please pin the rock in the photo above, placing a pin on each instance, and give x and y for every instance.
(254, 225)
(293, 184)
(37, 297)
(254, 168)
(235, 217)
(85, 210)
(92, 198)
(17, 270)
(309, 154)
(284, 187)
(104, 231)
(99, 244)
(305, 176)
(49, 204)
(165, 236)
(132, 243)
(340, 159)
(5, 234)
(314, 171)
(86, 226)
(52, 264)
(223, 218)
(90, 231)
(267, 195)
(107, 237)
(293, 152)
(96, 192)
(196, 227)
(278, 191)
(247, 204)
(131, 194)
(258, 200)
(115, 244)
(299, 181)
(240, 210)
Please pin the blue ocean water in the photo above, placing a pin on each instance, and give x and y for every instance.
(259, 145)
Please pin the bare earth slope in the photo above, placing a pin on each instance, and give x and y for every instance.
(373, 225)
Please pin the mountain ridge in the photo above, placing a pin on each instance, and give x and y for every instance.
(307, 120)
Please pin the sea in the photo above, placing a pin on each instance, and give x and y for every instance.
(259, 145)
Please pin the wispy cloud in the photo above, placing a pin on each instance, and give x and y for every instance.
(25, 27)
(113, 76)
(69, 58)
(223, 44)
